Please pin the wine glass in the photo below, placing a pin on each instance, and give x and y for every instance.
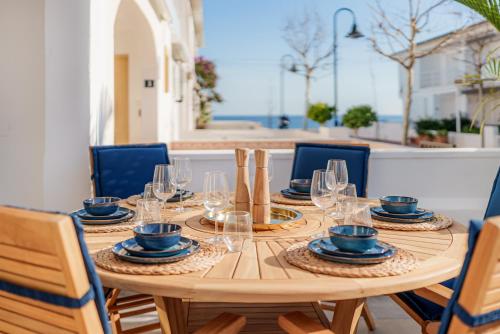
(270, 168)
(348, 201)
(237, 229)
(339, 168)
(148, 210)
(148, 191)
(183, 175)
(163, 185)
(215, 197)
(321, 193)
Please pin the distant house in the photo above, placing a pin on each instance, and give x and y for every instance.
(437, 91)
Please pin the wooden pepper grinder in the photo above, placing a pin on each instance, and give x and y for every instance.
(261, 197)
(243, 197)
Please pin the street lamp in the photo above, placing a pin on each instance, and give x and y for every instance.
(354, 34)
(283, 67)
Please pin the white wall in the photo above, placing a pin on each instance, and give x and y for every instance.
(44, 103)
(22, 99)
(452, 181)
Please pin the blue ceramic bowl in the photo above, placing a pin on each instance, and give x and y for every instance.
(301, 185)
(157, 236)
(353, 238)
(101, 206)
(399, 204)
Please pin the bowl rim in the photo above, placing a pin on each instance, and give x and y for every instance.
(177, 230)
(373, 233)
(113, 201)
(410, 200)
(299, 181)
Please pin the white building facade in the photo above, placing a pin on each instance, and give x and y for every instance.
(436, 92)
(76, 73)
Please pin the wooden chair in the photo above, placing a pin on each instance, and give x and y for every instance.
(424, 310)
(474, 305)
(48, 282)
(122, 171)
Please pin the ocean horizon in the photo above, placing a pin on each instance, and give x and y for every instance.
(296, 121)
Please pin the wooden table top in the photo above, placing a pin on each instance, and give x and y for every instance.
(261, 274)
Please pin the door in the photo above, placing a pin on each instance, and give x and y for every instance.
(121, 100)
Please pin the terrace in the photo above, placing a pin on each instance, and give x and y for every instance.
(132, 201)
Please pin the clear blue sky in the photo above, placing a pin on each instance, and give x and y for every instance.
(244, 39)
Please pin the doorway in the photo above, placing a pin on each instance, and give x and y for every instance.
(121, 100)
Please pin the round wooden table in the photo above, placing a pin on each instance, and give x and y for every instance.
(260, 274)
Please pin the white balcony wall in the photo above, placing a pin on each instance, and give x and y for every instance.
(452, 181)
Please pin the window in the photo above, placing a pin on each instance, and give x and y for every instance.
(430, 71)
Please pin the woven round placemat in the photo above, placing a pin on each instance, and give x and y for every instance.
(196, 200)
(438, 222)
(280, 199)
(206, 257)
(120, 227)
(299, 256)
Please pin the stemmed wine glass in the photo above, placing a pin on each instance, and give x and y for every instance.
(163, 183)
(215, 197)
(339, 168)
(321, 190)
(183, 175)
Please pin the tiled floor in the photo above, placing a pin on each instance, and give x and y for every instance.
(389, 318)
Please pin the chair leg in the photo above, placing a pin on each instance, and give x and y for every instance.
(368, 317)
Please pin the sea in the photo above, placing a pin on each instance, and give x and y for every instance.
(296, 121)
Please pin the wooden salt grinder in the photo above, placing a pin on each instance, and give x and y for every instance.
(243, 197)
(261, 197)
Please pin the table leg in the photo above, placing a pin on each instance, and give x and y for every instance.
(171, 314)
(346, 315)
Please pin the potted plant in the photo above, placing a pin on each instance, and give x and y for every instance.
(425, 128)
(358, 117)
(441, 136)
(206, 81)
(321, 113)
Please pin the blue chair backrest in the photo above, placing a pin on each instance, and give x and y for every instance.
(493, 208)
(309, 157)
(49, 265)
(470, 303)
(123, 170)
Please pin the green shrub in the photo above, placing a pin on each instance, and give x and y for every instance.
(359, 116)
(320, 112)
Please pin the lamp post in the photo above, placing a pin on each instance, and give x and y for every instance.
(354, 34)
(292, 68)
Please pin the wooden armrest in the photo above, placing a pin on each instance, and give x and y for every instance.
(299, 323)
(438, 294)
(225, 323)
(432, 327)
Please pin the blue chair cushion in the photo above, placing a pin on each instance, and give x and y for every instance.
(309, 157)
(424, 308)
(493, 208)
(122, 171)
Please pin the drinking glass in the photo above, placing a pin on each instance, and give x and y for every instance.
(163, 183)
(321, 194)
(270, 168)
(183, 175)
(215, 197)
(148, 191)
(237, 230)
(339, 168)
(360, 215)
(347, 200)
(148, 210)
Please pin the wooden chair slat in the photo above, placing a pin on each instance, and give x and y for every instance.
(35, 325)
(35, 312)
(6, 327)
(29, 256)
(32, 282)
(27, 270)
(53, 308)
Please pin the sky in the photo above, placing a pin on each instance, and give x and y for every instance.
(245, 40)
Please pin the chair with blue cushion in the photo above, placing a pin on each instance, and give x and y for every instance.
(309, 157)
(421, 309)
(48, 282)
(472, 307)
(123, 170)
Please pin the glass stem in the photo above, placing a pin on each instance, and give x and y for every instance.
(182, 204)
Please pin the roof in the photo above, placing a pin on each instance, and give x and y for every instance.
(431, 40)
